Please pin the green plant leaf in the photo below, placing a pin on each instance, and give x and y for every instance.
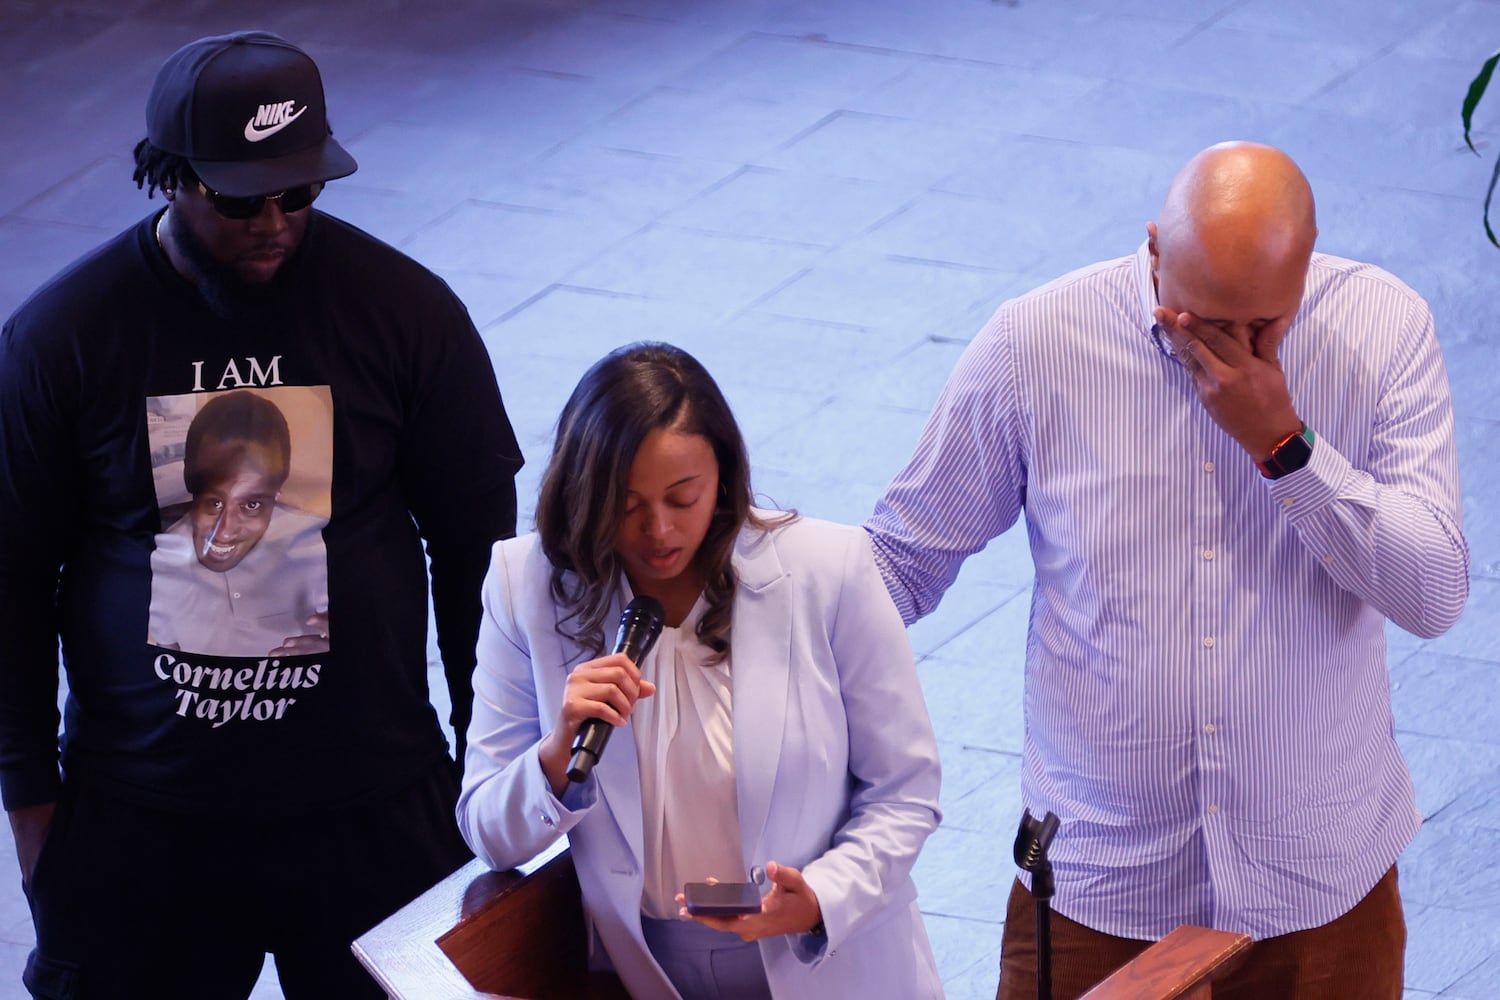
(1471, 100)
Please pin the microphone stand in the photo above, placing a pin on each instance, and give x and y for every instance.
(1032, 841)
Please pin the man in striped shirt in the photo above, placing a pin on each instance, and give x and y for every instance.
(1236, 460)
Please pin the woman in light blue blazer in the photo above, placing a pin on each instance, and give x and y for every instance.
(777, 725)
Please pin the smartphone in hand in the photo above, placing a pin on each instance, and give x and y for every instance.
(721, 899)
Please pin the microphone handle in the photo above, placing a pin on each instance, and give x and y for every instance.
(639, 628)
(587, 747)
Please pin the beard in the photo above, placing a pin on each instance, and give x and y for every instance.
(226, 294)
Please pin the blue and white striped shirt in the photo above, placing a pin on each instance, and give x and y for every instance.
(1207, 705)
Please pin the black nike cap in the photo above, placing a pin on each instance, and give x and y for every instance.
(247, 111)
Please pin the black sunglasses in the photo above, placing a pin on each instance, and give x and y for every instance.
(291, 200)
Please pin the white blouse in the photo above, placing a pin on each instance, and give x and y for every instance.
(684, 745)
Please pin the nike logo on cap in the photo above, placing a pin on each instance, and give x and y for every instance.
(270, 119)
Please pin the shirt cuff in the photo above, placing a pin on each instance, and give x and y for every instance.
(30, 786)
(1302, 493)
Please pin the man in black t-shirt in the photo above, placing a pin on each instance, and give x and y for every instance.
(205, 806)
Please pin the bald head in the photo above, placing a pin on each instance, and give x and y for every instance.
(1240, 198)
(1235, 236)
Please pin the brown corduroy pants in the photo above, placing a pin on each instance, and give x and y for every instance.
(1360, 954)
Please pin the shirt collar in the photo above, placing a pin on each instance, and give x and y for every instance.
(1146, 289)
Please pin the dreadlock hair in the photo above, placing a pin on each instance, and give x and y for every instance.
(160, 169)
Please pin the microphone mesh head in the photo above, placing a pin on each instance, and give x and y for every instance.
(640, 626)
(646, 608)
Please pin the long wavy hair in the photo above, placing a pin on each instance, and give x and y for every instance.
(627, 394)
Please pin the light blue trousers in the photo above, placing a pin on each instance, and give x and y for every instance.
(705, 964)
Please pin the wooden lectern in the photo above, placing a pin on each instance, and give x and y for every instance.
(480, 934)
(1181, 966)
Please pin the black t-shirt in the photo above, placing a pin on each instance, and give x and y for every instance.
(181, 496)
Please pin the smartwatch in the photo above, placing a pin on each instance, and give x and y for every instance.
(1290, 454)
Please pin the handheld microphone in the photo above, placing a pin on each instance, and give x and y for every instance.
(640, 626)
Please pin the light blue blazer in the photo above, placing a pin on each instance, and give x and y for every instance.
(836, 768)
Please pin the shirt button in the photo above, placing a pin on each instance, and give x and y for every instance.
(235, 596)
(1213, 810)
(1208, 553)
(1208, 466)
(1288, 501)
(1208, 641)
(1210, 728)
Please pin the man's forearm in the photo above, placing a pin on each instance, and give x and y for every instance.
(29, 825)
